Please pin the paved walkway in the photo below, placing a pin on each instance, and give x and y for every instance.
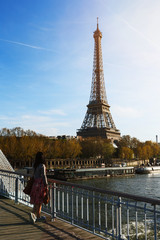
(15, 225)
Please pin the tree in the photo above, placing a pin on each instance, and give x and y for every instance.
(146, 152)
(139, 152)
(156, 149)
(125, 141)
(75, 148)
(108, 151)
(91, 147)
(126, 153)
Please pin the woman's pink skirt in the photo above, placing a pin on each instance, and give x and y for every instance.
(38, 192)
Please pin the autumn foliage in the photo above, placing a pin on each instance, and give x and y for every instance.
(20, 145)
(129, 148)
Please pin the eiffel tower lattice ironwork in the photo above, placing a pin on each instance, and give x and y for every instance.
(98, 120)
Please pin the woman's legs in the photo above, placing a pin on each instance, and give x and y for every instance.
(37, 209)
(39, 206)
(34, 209)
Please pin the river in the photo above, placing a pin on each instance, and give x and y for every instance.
(147, 185)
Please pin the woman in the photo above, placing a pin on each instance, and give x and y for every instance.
(39, 187)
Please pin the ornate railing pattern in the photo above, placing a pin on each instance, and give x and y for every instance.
(109, 214)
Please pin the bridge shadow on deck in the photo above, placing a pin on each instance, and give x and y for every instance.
(15, 224)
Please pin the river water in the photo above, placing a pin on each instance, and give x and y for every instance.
(147, 185)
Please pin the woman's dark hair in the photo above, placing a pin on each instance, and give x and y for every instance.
(38, 160)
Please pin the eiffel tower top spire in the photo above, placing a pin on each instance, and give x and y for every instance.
(97, 22)
(98, 92)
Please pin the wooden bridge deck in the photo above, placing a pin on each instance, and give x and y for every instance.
(15, 225)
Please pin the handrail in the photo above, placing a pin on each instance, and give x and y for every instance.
(109, 192)
(16, 173)
(152, 201)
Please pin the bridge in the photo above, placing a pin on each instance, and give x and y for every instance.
(15, 224)
(81, 212)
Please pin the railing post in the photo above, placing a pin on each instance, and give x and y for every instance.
(127, 220)
(67, 202)
(88, 209)
(52, 203)
(63, 201)
(99, 212)
(145, 221)
(77, 205)
(58, 203)
(112, 217)
(119, 219)
(93, 210)
(136, 223)
(54, 200)
(106, 216)
(16, 190)
(72, 221)
(1, 188)
(155, 223)
(82, 206)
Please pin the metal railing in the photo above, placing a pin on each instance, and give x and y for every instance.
(108, 214)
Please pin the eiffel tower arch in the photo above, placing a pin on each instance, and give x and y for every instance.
(98, 121)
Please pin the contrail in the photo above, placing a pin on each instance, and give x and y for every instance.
(140, 33)
(26, 45)
(149, 40)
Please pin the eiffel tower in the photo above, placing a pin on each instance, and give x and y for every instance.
(98, 120)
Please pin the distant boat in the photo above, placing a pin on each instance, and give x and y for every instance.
(146, 170)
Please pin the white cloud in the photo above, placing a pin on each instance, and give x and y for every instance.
(53, 112)
(34, 118)
(46, 125)
(38, 120)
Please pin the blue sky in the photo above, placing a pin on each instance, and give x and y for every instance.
(46, 61)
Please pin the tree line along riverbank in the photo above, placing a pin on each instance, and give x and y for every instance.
(20, 147)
